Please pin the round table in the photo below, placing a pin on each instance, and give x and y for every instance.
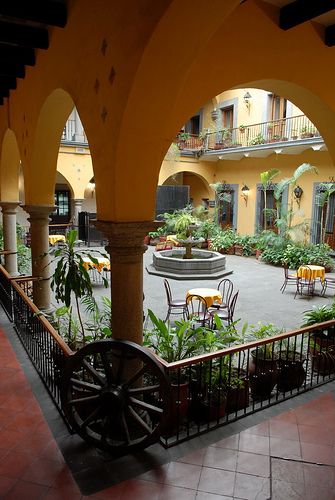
(54, 238)
(311, 272)
(210, 295)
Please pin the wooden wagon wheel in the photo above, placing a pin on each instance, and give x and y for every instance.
(115, 395)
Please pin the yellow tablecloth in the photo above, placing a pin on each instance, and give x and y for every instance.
(315, 271)
(53, 238)
(102, 264)
(210, 295)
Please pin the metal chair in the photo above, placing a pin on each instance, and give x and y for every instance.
(327, 283)
(290, 279)
(306, 282)
(197, 310)
(174, 306)
(225, 288)
(228, 313)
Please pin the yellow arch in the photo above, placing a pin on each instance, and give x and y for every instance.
(9, 168)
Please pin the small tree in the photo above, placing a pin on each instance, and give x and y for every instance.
(266, 178)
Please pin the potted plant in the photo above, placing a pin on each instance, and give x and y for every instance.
(262, 366)
(306, 132)
(223, 241)
(291, 370)
(182, 139)
(242, 128)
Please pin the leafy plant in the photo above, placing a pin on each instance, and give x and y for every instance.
(262, 331)
(318, 314)
(266, 178)
(98, 318)
(327, 189)
(224, 239)
(259, 139)
(71, 279)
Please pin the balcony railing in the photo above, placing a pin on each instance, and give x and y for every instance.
(69, 132)
(295, 128)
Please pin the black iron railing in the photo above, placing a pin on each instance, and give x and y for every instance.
(295, 128)
(217, 388)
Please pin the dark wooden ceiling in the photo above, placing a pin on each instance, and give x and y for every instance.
(24, 27)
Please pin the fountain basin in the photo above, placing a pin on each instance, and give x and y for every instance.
(204, 264)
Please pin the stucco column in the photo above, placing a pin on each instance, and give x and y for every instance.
(9, 235)
(77, 208)
(126, 248)
(39, 230)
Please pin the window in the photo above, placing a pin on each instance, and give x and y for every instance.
(193, 125)
(227, 117)
(278, 107)
(62, 201)
(225, 204)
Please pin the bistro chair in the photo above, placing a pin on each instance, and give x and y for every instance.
(175, 306)
(306, 282)
(228, 313)
(197, 310)
(327, 283)
(289, 278)
(225, 288)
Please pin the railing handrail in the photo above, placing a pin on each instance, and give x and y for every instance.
(46, 324)
(241, 347)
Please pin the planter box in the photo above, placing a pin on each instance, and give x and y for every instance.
(238, 250)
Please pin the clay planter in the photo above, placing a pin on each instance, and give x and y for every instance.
(238, 249)
(263, 375)
(258, 253)
(323, 362)
(179, 405)
(291, 374)
(238, 397)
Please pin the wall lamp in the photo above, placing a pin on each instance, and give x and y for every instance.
(298, 191)
(247, 96)
(245, 193)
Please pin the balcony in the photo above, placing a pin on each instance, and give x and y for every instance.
(285, 136)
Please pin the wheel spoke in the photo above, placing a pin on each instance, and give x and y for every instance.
(136, 376)
(107, 368)
(96, 375)
(73, 402)
(125, 428)
(85, 385)
(139, 420)
(141, 390)
(146, 406)
(90, 418)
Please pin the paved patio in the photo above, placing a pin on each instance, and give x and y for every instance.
(284, 452)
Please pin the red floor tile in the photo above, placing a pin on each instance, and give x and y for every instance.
(221, 458)
(26, 491)
(14, 464)
(252, 487)
(319, 475)
(195, 458)
(43, 471)
(316, 435)
(6, 483)
(184, 475)
(217, 481)
(285, 448)
(318, 453)
(283, 429)
(231, 442)
(254, 443)
(262, 429)
(250, 463)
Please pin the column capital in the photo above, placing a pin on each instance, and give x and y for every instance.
(9, 206)
(125, 239)
(39, 212)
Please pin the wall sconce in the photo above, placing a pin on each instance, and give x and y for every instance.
(298, 194)
(245, 193)
(247, 96)
(91, 186)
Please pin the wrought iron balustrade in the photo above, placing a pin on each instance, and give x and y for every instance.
(214, 389)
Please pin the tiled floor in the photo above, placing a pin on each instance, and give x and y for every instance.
(289, 456)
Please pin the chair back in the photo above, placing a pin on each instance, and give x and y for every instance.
(231, 306)
(226, 287)
(197, 308)
(168, 291)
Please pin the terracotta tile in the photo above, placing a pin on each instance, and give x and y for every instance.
(252, 487)
(285, 448)
(140, 490)
(6, 483)
(329, 421)
(230, 442)
(184, 475)
(26, 490)
(62, 494)
(195, 458)
(14, 464)
(221, 458)
(112, 493)
(287, 416)
(217, 481)
(201, 495)
(317, 435)
(43, 471)
(24, 423)
(250, 463)
(65, 481)
(319, 475)
(321, 454)
(254, 444)
(318, 492)
(9, 438)
(33, 443)
(173, 492)
(156, 475)
(282, 429)
(261, 429)
(287, 470)
(282, 490)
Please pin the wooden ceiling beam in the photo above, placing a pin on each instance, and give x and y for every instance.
(23, 35)
(51, 12)
(330, 35)
(300, 11)
(7, 82)
(12, 69)
(19, 55)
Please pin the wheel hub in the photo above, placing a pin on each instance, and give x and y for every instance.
(114, 397)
